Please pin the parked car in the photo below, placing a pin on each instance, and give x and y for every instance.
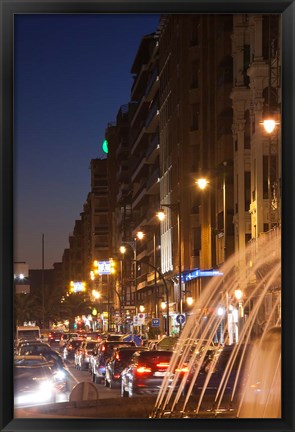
(116, 363)
(104, 351)
(35, 381)
(70, 348)
(83, 353)
(145, 372)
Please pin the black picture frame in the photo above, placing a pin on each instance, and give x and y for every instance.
(8, 8)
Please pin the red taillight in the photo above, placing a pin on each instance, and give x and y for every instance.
(103, 348)
(116, 376)
(117, 356)
(143, 370)
(162, 365)
(70, 347)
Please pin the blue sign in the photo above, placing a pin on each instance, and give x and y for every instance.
(155, 322)
(180, 318)
(201, 273)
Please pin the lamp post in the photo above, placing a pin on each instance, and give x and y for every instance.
(166, 291)
(132, 244)
(161, 215)
(140, 235)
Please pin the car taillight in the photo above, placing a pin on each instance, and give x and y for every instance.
(103, 348)
(162, 365)
(143, 370)
(117, 356)
(116, 376)
(70, 347)
(183, 369)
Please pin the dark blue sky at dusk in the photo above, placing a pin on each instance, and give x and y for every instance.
(72, 74)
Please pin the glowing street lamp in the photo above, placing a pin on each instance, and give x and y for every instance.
(140, 235)
(269, 125)
(202, 183)
(96, 294)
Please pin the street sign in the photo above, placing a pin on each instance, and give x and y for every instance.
(141, 318)
(104, 267)
(155, 322)
(180, 318)
(135, 320)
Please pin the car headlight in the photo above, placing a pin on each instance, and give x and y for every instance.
(60, 375)
(46, 386)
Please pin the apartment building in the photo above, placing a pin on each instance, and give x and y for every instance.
(195, 69)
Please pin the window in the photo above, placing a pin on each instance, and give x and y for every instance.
(195, 74)
(195, 117)
(247, 180)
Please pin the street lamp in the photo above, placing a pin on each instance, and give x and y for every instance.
(161, 215)
(122, 249)
(140, 235)
(202, 183)
(188, 298)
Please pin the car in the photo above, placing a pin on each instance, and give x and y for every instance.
(54, 337)
(145, 372)
(104, 351)
(167, 343)
(70, 348)
(43, 350)
(116, 363)
(32, 342)
(220, 366)
(94, 335)
(34, 381)
(65, 337)
(116, 337)
(83, 353)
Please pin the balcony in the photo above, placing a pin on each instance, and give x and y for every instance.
(122, 150)
(152, 184)
(152, 120)
(141, 193)
(139, 137)
(152, 85)
(123, 173)
(138, 166)
(153, 149)
(139, 83)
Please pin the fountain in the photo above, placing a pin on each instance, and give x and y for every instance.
(227, 361)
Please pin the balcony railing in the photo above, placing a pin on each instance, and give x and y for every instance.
(152, 112)
(152, 79)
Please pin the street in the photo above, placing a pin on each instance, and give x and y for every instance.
(78, 376)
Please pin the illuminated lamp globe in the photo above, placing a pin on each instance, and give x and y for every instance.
(269, 125)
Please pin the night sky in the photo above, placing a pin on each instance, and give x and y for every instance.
(72, 74)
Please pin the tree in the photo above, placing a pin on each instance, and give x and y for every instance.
(26, 308)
